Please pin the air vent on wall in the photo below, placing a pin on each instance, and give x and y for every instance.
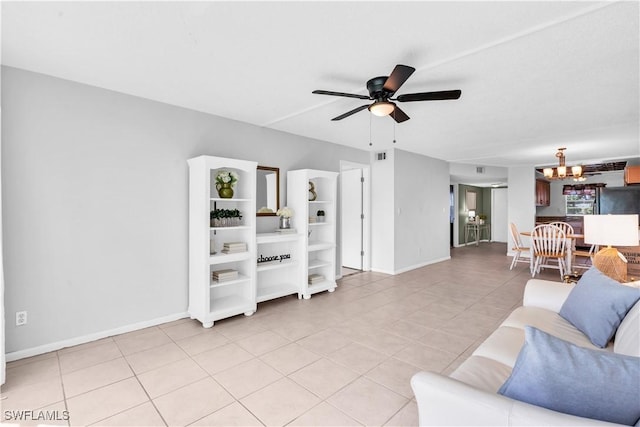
(479, 169)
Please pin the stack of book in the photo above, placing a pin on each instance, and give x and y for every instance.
(223, 275)
(315, 278)
(234, 247)
(286, 230)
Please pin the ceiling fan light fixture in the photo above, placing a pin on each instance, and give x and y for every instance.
(382, 108)
(548, 172)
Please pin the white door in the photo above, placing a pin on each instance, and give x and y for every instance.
(351, 205)
(499, 226)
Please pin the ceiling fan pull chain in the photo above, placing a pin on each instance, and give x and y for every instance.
(370, 141)
(394, 126)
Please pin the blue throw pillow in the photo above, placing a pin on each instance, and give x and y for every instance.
(597, 305)
(563, 377)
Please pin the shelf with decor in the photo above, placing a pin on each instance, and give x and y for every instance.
(312, 194)
(278, 260)
(222, 237)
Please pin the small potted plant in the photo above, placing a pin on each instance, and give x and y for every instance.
(482, 218)
(225, 181)
(225, 217)
(320, 215)
(285, 215)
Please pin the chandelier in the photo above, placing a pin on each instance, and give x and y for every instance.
(561, 171)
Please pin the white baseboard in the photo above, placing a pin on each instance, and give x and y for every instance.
(422, 264)
(46, 348)
(412, 267)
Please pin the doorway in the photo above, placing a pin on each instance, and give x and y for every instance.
(354, 217)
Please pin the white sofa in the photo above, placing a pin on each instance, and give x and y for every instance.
(469, 395)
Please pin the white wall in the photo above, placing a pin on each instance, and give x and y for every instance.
(499, 212)
(382, 214)
(95, 192)
(421, 189)
(521, 196)
(557, 206)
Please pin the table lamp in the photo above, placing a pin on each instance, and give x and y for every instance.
(611, 230)
(472, 215)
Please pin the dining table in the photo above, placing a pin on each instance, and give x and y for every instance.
(568, 252)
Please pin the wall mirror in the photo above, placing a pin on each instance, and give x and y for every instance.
(470, 200)
(268, 191)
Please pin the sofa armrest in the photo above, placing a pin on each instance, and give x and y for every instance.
(444, 401)
(546, 294)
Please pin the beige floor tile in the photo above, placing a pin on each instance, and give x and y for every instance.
(140, 342)
(202, 342)
(289, 358)
(324, 342)
(96, 376)
(294, 331)
(384, 342)
(144, 415)
(247, 377)
(86, 345)
(368, 402)
(426, 358)
(357, 357)
(171, 377)
(222, 358)
(156, 357)
(280, 402)
(90, 356)
(27, 360)
(239, 327)
(411, 331)
(395, 375)
(406, 417)
(324, 415)
(105, 402)
(324, 377)
(184, 329)
(192, 402)
(37, 371)
(443, 341)
(32, 395)
(231, 415)
(262, 342)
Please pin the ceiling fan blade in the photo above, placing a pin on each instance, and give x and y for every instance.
(398, 115)
(398, 76)
(430, 96)
(349, 113)
(348, 95)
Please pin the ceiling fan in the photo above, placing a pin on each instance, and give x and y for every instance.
(381, 89)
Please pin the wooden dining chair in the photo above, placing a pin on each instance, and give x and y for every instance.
(520, 252)
(549, 248)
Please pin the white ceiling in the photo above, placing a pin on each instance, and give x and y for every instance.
(534, 76)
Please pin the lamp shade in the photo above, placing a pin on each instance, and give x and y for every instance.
(382, 108)
(611, 230)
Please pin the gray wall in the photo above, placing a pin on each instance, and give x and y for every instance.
(422, 210)
(94, 192)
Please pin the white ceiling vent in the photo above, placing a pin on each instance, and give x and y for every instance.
(381, 156)
(479, 169)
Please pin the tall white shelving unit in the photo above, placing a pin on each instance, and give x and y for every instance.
(210, 300)
(318, 242)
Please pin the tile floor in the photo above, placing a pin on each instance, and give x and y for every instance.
(338, 359)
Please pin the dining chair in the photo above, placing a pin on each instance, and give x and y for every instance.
(586, 255)
(519, 250)
(549, 245)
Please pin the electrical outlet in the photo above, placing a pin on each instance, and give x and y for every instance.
(21, 318)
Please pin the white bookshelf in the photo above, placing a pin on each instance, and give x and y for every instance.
(211, 300)
(318, 238)
(278, 277)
